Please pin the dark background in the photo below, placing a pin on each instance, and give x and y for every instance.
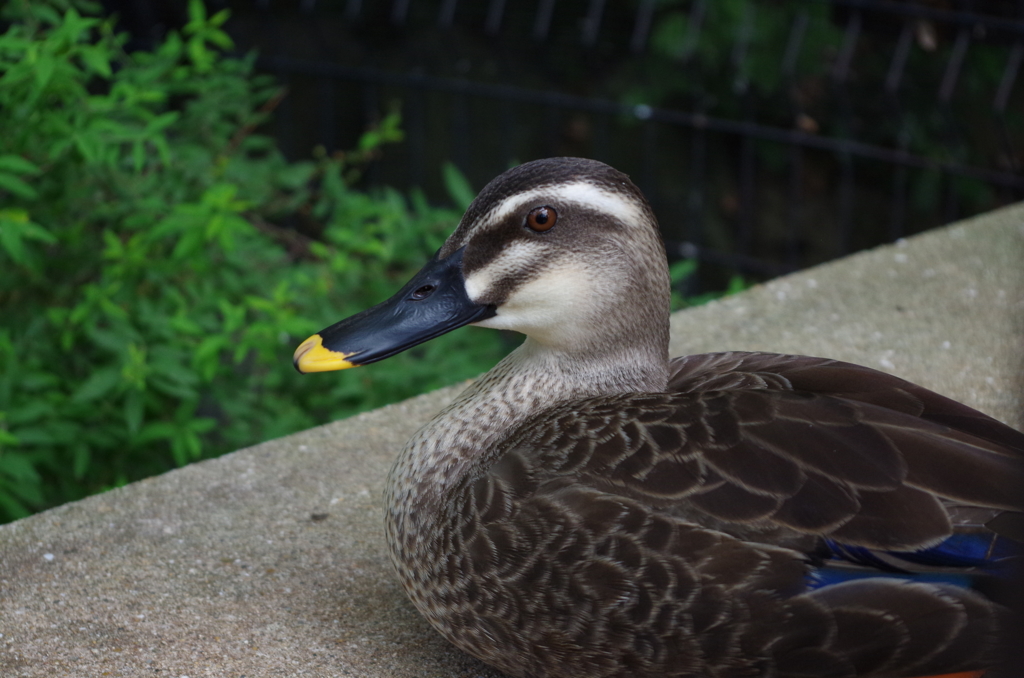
(769, 135)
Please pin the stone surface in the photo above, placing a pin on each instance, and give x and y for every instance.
(271, 561)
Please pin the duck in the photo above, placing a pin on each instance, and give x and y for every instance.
(592, 508)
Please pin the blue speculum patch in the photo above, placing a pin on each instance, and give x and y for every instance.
(975, 553)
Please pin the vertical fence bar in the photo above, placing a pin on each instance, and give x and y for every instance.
(793, 44)
(741, 90)
(954, 65)
(399, 12)
(542, 21)
(353, 8)
(897, 215)
(846, 192)
(955, 139)
(600, 149)
(851, 34)
(371, 112)
(899, 58)
(328, 114)
(695, 189)
(495, 12)
(796, 195)
(796, 153)
(446, 13)
(415, 125)
(1002, 98)
(285, 119)
(693, 29)
(648, 172)
(509, 135)
(642, 26)
(739, 53)
(592, 22)
(461, 133)
(840, 71)
(1006, 82)
(747, 196)
(551, 131)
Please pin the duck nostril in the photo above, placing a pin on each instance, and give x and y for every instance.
(423, 292)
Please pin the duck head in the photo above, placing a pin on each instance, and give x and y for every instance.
(563, 250)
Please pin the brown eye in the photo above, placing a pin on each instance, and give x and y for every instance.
(541, 218)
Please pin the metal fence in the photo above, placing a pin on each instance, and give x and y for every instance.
(866, 121)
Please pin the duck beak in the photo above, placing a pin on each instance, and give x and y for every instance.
(432, 303)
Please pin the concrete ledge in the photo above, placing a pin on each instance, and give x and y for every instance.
(271, 561)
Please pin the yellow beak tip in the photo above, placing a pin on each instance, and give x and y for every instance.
(311, 356)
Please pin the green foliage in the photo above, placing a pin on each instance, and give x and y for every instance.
(683, 270)
(150, 299)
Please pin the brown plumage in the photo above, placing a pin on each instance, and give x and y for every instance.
(590, 508)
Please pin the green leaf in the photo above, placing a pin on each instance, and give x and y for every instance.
(206, 357)
(680, 270)
(43, 70)
(45, 13)
(10, 240)
(369, 140)
(138, 156)
(161, 122)
(133, 411)
(200, 55)
(218, 38)
(296, 175)
(17, 165)
(16, 186)
(17, 466)
(196, 12)
(458, 186)
(29, 412)
(98, 385)
(157, 430)
(33, 231)
(220, 18)
(96, 59)
(82, 457)
(14, 508)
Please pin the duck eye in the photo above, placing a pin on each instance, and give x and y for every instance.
(541, 219)
(422, 292)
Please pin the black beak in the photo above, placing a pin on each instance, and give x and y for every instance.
(432, 303)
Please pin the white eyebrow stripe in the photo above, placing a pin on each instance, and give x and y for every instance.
(581, 193)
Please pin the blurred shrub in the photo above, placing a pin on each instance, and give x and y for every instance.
(150, 299)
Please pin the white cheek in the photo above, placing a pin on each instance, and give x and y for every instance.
(552, 308)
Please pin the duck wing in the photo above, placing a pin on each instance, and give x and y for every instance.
(740, 370)
(756, 443)
(672, 533)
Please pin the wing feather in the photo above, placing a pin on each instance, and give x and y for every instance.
(806, 444)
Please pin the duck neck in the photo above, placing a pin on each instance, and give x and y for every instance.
(462, 440)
